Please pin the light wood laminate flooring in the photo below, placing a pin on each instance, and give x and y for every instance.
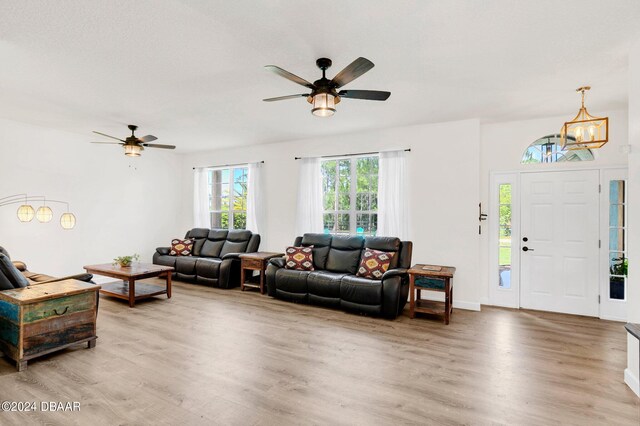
(211, 356)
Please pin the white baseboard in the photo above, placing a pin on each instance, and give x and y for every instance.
(632, 381)
(469, 306)
(484, 300)
(608, 318)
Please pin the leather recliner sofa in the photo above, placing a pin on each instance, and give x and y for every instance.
(334, 283)
(214, 257)
(36, 278)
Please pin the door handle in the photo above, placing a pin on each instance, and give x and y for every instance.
(525, 248)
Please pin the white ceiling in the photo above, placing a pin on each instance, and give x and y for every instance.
(191, 71)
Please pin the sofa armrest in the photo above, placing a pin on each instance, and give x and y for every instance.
(80, 277)
(163, 250)
(277, 262)
(398, 272)
(20, 266)
(231, 256)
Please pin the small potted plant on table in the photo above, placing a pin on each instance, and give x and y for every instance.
(126, 261)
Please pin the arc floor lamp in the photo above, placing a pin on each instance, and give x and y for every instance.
(43, 214)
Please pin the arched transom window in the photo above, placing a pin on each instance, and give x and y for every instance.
(548, 149)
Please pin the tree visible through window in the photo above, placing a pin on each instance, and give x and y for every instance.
(350, 195)
(548, 149)
(228, 197)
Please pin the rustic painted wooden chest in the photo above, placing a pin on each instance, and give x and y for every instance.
(44, 318)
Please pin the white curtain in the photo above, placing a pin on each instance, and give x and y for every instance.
(201, 218)
(309, 212)
(393, 202)
(255, 203)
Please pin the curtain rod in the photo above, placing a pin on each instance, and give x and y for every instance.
(226, 165)
(350, 155)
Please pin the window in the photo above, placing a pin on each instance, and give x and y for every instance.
(228, 197)
(618, 261)
(350, 195)
(504, 235)
(548, 149)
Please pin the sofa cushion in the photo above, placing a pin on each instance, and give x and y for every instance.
(344, 255)
(186, 265)
(388, 244)
(198, 233)
(374, 263)
(325, 283)
(5, 284)
(362, 291)
(234, 246)
(181, 247)
(239, 235)
(321, 244)
(208, 268)
(218, 234)
(292, 281)
(212, 248)
(14, 276)
(197, 246)
(299, 258)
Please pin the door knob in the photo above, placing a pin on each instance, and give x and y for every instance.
(525, 239)
(525, 248)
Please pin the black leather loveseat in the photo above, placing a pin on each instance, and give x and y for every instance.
(334, 283)
(214, 260)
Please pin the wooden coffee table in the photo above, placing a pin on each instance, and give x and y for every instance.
(128, 289)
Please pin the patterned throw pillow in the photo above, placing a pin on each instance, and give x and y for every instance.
(299, 258)
(374, 263)
(181, 247)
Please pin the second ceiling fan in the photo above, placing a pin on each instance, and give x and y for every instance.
(324, 93)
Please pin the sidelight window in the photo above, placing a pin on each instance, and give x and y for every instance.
(504, 235)
(618, 262)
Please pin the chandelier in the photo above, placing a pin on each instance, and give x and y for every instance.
(585, 130)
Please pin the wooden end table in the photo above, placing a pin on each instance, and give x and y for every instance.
(417, 304)
(255, 262)
(128, 289)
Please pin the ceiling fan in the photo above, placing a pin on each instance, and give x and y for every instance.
(324, 93)
(133, 146)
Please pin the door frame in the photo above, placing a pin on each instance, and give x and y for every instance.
(511, 298)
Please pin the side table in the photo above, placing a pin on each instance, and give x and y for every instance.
(255, 262)
(431, 278)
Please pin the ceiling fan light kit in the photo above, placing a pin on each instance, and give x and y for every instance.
(584, 130)
(133, 146)
(324, 94)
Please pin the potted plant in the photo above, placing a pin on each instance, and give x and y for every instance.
(125, 261)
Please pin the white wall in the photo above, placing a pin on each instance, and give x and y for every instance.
(632, 374)
(444, 192)
(502, 146)
(122, 205)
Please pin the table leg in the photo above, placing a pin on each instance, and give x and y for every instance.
(261, 280)
(242, 278)
(132, 292)
(447, 300)
(21, 365)
(168, 284)
(412, 297)
(418, 294)
(91, 344)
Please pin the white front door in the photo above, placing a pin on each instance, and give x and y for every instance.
(559, 242)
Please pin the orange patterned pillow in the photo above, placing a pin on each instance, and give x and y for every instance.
(299, 258)
(181, 247)
(374, 263)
